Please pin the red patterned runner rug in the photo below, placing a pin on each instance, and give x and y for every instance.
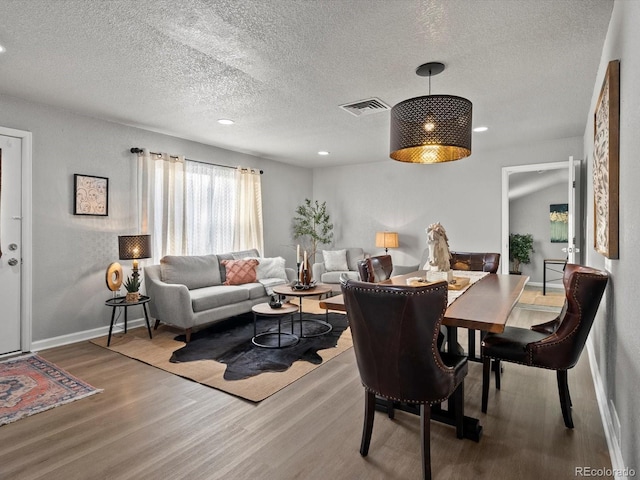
(29, 384)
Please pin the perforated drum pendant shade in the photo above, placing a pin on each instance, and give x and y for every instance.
(431, 129)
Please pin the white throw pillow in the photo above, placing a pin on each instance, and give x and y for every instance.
(270, 268)
(335, 260)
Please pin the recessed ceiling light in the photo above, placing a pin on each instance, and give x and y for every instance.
(2, 49)
(323, 152)
(481, 129)
(226, 121)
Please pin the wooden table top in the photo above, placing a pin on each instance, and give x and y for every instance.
(266, 310)
(287, 290)
(485, 305)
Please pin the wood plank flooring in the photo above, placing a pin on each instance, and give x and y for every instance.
(149, 424)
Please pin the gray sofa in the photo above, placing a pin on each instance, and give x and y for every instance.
(189, 291)
(331, 275)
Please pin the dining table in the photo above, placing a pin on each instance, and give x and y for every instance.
(485, 304)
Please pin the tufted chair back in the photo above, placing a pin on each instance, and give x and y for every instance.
(478, 262)
(375, 269)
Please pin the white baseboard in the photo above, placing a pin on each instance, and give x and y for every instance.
(84, 335)
(610, 432)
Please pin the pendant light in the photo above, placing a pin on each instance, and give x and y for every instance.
(432, 128)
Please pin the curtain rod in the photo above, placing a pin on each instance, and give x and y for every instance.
(139, 150)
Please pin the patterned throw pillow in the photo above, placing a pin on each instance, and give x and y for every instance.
(240, 271)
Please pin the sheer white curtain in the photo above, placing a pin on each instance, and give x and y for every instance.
(211, 204)
(162, 206)
(194, 208)
(249, 230)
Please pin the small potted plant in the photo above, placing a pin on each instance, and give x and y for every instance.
(520, 250)
(132, 284)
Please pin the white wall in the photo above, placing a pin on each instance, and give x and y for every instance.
(530, 214)
(465, 196)
(71, 253)
(616, 334)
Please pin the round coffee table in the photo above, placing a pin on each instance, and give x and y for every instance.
(317, 290)
(283, 339)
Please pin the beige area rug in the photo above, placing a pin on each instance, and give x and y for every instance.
(533, 296)
(157, 351)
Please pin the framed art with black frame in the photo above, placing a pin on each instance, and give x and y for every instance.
(91, 195)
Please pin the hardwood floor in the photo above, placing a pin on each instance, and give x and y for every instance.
(149, 424)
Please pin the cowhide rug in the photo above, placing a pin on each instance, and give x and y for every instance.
(230, 343)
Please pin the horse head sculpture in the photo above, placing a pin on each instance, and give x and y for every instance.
(438, 243)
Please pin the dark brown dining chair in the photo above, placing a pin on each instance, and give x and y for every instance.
(394, 331)
(375, 269)
(477, 262)
(554, 345)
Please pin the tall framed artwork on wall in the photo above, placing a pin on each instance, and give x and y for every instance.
(90, 195)
(606, 163)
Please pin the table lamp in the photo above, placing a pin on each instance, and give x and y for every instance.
(134, 247)
(387, 240)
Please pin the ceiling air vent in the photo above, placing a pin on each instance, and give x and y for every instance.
(365, 107)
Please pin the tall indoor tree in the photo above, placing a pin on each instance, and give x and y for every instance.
(313, 225)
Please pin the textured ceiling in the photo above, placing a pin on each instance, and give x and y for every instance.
(281, 68)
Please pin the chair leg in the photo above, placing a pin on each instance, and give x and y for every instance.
(565, 398)
(390, 410)
(187, 335)
(369, 411)
(157, 324)
(497, 370)
(458, 400)
(425, 430)
(486, 375)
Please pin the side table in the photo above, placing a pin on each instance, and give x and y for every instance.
(121, 302)
(317, 290)
(262, 339)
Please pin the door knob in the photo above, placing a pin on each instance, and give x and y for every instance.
(13, 262)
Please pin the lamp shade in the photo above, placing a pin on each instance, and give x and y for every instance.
(431, 129)
(386, 239)
(132, 247)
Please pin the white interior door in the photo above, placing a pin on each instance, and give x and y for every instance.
(574, 208)
(10, 243)
(572, 249)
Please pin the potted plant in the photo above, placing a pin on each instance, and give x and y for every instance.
(132, 284)
(520, 250)
(313, 223)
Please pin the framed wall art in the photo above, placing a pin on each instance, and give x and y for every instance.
(606, 163)
(91, 195)
(559, 217)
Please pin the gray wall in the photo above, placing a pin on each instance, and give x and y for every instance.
(615, 333)
(530, 214)
(465, 196)
(71, 253)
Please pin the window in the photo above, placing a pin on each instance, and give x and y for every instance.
(195, 208)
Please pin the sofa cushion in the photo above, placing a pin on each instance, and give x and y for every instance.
(335, 260)
(218, 296)
(193, 271)
(334, 277)
(270, 267)
(239, 272)
(354, 255)
(234, 256)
